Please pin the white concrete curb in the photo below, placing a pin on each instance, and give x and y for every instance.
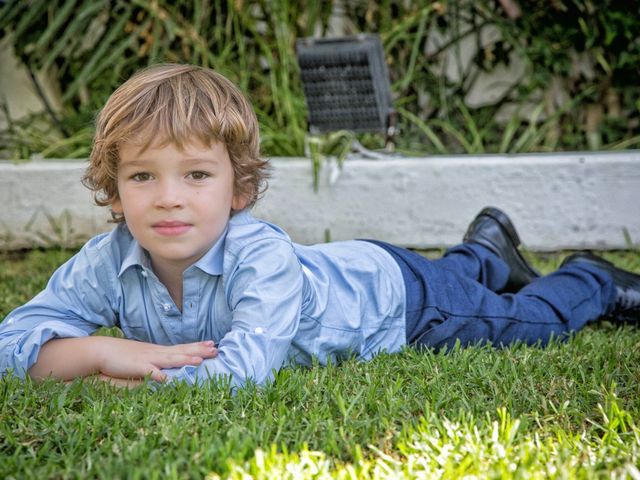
(564, 200)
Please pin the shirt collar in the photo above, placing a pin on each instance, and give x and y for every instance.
(136, 255)
(210, 263)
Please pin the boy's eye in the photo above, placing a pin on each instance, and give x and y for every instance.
(141, 177)
(198, 175)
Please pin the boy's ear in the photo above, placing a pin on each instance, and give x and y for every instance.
(239, 201)
(116, 206)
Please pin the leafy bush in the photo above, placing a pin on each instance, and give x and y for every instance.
(578, 87)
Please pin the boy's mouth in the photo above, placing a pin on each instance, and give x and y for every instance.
(171, 228)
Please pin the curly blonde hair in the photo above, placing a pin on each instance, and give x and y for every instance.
(176, 104)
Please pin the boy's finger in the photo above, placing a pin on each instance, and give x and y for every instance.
(177, 360)
(201, 349)
(126, 383)
(210, 353)
(158, 375)
(119, 382)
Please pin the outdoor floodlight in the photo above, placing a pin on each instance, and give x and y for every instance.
(346, 84)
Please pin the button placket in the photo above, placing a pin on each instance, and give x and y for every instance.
(190, 329)
(160, 295)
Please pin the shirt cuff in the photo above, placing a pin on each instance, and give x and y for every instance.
(21, 351)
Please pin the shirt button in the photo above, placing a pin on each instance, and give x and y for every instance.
(144, 273)
(166, 307)
(259, 330)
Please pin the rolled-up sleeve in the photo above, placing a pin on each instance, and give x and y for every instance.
(264, 293)
(76, 302)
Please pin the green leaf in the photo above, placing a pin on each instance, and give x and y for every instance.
(60, 16)
(87, 72)
(74, 31)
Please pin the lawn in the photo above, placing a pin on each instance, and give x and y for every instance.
(569, 410)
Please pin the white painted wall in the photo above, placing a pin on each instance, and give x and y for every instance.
(569, 200)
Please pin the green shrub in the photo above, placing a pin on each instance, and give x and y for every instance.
(578, 90)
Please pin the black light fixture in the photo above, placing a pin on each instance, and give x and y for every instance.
(346, 85)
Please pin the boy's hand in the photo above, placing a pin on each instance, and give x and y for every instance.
(69, 358)
(128, 359)
(120, 382)
(116, 382)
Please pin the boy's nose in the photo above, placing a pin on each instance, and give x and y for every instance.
(169, 195)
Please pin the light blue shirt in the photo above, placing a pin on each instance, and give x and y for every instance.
(264, 300)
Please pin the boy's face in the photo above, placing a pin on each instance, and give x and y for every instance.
(176, 203)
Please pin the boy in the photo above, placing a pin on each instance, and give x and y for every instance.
(176, 158)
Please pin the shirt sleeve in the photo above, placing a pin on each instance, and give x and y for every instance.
(75, 303)
(264, 292)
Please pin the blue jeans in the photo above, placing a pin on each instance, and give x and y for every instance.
(454, 299)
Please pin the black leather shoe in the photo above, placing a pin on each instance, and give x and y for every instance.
(627, 307)
(493, 229)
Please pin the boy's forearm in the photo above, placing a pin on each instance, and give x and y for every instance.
(67, 358)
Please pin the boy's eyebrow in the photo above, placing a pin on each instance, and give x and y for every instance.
(201, 160)
(133, 163)
(143, 162)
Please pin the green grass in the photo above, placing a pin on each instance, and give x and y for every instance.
(569, 410)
